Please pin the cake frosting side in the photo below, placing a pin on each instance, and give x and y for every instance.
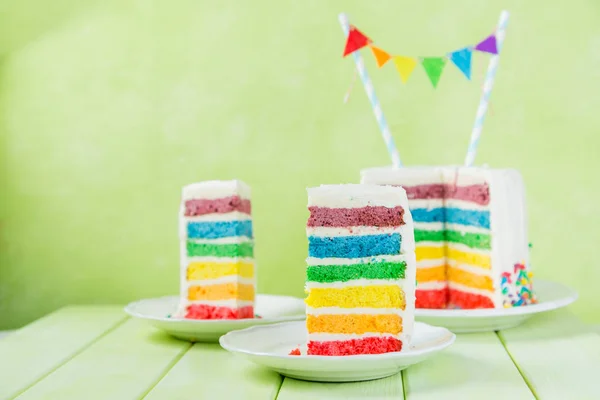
(360, 270)
(472, 248)
(217, 271)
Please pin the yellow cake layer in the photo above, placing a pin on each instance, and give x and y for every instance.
(354, 323)
(431, 274)
(470, 279)
(199, 270)
(429, 252)
(222, 291)
(384, 296)
(467, 257)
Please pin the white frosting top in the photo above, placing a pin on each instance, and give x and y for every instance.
(356, 196)
(215, 190)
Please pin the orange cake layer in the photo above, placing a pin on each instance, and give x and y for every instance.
(470, 279)
(199, 270)
(431, 274)
(380, 296)
(223, 291)
(354, 323)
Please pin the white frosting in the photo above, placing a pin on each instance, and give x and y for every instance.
(356, 282)
(466, 229)
(428, 204)
(508, 220)
(467, 289)
(431, 263)
(220, 259)
(329, 337)
(429, 226)
(474, 269)
(223, 303)
(356, 196)
(322, 231)
(211, 190)
(432, 285)
(310, 261)
(230, 216)
(465, 248)
(465, 205)
(221, 280)
(351, 311)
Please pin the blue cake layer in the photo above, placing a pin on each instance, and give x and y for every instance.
(480, 219)
(354, 246)
(219, 229)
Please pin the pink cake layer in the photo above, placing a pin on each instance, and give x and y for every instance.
(479, 194)
(364, 216)
(202, 311)
(223, 205)
(369, 345)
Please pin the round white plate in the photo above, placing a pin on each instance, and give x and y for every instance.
(550, 295)
(270, 308)
(270, 345)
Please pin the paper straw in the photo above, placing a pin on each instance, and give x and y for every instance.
(487, 89)
(364, 77)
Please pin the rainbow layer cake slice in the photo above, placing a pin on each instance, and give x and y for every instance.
(360, 276)
(470, 232)
(217, 251)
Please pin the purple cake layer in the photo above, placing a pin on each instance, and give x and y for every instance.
(365, 216)
(479, 194)
(223, 205)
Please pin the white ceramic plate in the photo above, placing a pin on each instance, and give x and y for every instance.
(270, 308)
(550, 295)
(270, 345)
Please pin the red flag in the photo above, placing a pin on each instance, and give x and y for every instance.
(356, 41)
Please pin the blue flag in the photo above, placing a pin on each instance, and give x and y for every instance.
(462, 59)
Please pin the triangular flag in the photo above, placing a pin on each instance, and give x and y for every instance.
(488, 45)
(433, 67)
(356, 41)
(405, 66)
(462, 59)
(380, 56)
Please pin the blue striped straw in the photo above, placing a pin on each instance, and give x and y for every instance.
(487, 89)
(364, 77)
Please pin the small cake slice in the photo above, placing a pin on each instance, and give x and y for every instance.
(217, 251)
(361, 270)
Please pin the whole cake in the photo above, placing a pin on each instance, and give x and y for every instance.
(360, 275)
(470, 232)
(217, 251)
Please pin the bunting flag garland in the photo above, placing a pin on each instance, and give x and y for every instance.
(380, 56)
(405, 66)
(488, 45)
(462, 59)
(356, 41)
(433, 66)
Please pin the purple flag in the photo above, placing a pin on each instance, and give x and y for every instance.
(488, 45)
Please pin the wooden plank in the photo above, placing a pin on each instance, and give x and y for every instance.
(34, 351)
(124, 364)
(476, 366)
(209, 372)
(558, 355)
(386, 388)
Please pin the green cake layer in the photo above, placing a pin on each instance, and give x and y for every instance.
(472, 240)
(344, 273)
(219, 250)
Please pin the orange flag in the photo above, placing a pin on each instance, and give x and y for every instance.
(356, 41)
(380, 56)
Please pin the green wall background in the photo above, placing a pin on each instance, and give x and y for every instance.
(108, 107)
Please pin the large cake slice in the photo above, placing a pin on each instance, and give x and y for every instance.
(360, 275)
(217, 251)
(470, 233)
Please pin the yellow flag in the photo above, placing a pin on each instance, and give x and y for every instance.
(405, 66)
(380, 56)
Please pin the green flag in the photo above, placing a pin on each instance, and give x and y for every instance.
(433, 67)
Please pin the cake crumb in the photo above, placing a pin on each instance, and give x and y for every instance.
(295, 352)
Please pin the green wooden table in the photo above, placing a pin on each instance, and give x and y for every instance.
(96, 352)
